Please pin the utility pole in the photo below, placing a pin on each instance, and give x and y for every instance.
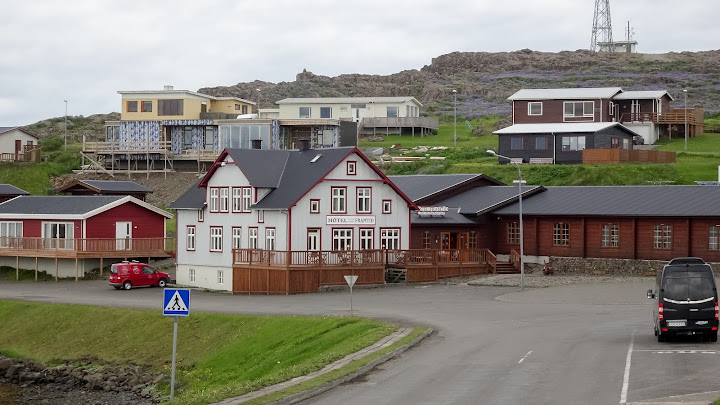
(455, 118)
(65, 124)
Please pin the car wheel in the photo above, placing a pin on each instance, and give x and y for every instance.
(127, 285)
(713, 336)
(162, 283)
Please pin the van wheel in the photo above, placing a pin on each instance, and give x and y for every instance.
(127, 285)
(162, 283)
(713, 336)
(661, 337)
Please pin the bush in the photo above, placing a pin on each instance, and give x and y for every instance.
(51, 143)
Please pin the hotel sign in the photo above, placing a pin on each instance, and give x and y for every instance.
(350, 220)
(431, 211)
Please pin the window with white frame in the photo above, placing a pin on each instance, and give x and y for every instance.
(366, 238)
(201, 215)
(578, 109)
(253, 238)
(261, 216)
(610, 235)
(351, 168)
(426, 241)
(314, 206)
(58, 235)
(573, 143)
(342, 239)
(247, 198)
(387, 207)
(236, 237)
(304, 112)
(9, 232)
(561, 234)
(535, 108)
(390, 238)
(338, 200)
(392, 112)
(270, 239)
(713, 237)
(662, 237)
(363, 200)
(214, 199)
(192, 275)
(325, 112)
(237, 199)
(221, 277)
(513, 233)
(216, 236)
(224, 199)
(190, 237)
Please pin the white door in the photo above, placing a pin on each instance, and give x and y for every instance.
(635, 110)
(123, 235)
(313, 242)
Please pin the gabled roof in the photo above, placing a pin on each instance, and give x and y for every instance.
(480, 200)
(67, 207)
(578, 93)
(108, 186)
(192, 199)
(418, 186)
(642, 95)
(559, 128)
(347, 100)
(290, 174)
(9, 189)
(638, 201)
(8, 129)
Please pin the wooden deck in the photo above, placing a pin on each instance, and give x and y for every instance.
(87, 248)
(257, 271)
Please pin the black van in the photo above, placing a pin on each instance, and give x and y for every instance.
(687, 301)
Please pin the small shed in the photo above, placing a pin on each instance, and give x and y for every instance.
(8, 191)
(105, 187)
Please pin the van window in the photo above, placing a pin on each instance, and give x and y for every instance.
(148, 270)
(114, 269)
(693, 288)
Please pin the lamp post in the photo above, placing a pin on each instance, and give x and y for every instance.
(522, 252)
(65, 124)
(258, 105)
(454, 118)
(686, 124)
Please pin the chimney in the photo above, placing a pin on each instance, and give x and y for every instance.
(168, 87)
(304, 145)
(256, 143)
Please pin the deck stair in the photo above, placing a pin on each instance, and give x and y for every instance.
(505, 268)
(394, 275)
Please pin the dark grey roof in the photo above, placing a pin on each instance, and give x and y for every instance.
(641, 201)
(9, 189)
(193, 198)
(480, 200)
(417, 186)
(116, 186)
(289, 172)
(452, 217)
(56, 204)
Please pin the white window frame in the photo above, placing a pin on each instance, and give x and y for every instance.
(201, 215)
(339, 200)
(270, 238)
(190, 237)
(535, 103)
(216, 239)
(610, 236)
(574, 143)
(713, 237)
(224, 199)
(221, 277)
(237, 237)
(314, 206)
(363, 200)
(326, 109)
(390, 238)
(247, 199)
(59, 243)
(366, 238)
(309, 112)
(574, 104)
(237, 199)
(387, 206)
(252, 238)
(9, 232)
(214, 199)
(192, 275)
(342, 238)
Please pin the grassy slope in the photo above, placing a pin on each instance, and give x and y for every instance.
(218, 355)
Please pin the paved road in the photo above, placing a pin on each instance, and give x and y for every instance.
(578, 344)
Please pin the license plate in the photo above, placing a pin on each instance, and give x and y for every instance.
(675, 323)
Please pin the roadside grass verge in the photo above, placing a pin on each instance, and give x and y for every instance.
(8, 273)
(219, 355)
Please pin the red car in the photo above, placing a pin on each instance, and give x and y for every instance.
(127, 275)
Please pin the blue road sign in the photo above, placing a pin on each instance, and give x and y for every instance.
(176, 302)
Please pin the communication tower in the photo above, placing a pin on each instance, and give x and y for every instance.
(602, 26)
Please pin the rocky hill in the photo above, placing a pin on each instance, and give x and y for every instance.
(93, 127)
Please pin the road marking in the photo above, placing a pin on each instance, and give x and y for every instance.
(525, 357)
(678, 351)
(626, 377)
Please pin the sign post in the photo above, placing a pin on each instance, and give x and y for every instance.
(351, 282)
(176, 303)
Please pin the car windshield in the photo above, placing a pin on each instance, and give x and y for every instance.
(692, 288)
(114, 269)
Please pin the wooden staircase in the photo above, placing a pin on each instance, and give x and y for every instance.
(505, 268)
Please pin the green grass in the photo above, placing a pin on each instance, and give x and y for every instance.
(8, 273)
(707, 143)
(444, 137)
(35, 177)
(219, 355)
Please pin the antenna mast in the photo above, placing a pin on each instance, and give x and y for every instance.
(602, 27)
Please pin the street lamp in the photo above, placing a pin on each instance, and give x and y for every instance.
(65, 124)
(455, 118)
(686, 124)
(522, 252)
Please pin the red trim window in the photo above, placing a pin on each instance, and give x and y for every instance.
(261, 216)
(190, 238)
(246, 199)
(269, 238)
(363, 200)
(390, 238)
(387, 206)
(224, 199)
(315, 206)
(216, 238)
(366, 238)
(237, 199)
(252, 238)
(313, 238)
(201, 215)
(342, 238)
(339, 200)
(351, 168)
(236, 237)
(214, 199)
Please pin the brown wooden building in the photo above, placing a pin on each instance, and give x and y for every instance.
(105, 187)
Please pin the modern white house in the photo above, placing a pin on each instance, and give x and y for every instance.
(263, 202)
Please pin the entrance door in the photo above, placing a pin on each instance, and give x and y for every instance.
(18, 148)
(123, 235)
(313, 241)
(635, 110)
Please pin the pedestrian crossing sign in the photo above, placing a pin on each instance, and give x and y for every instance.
(176, 302)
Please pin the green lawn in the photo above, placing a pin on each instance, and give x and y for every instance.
(444, 136)
(219, 355)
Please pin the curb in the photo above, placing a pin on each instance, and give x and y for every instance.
(301, 396)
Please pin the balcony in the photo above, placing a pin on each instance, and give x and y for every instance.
(87, 248)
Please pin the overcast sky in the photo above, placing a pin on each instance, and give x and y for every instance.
(84, 51)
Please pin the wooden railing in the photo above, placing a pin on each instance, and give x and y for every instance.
(99, 245)
(515, 259)
(405, 122)
(395, 257)
(674, 117)
(30, 153)
(127, 147)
